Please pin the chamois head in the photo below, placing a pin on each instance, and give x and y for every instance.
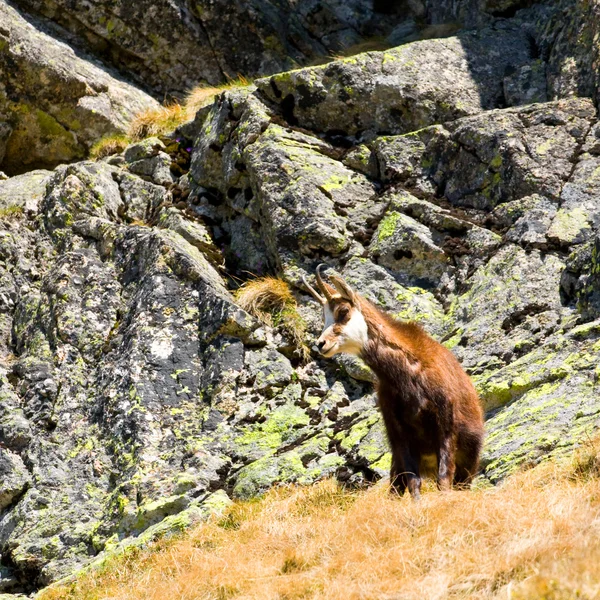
(345, 327)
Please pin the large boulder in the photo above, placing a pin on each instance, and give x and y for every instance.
(54, 103)
(405, 88)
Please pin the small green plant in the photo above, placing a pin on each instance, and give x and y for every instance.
(11, 212)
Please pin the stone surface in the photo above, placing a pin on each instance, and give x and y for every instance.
(402, 89)
(54, 103)
(567, 36)
(171, 46)
(15, 478)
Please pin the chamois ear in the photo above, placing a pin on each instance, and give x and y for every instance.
(343, 288)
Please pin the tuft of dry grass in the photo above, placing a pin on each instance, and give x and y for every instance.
(535, 536)
(157, 121)
(110, 144)
(165, 119)
(270, 300)
(202, 95)
(372, 44)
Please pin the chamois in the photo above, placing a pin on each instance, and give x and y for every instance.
(430, 408)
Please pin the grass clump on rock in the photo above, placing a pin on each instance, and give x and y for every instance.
(203, 95)
(157, 121)
(165, 119)
(11, 212)
(271, 301)
(110, 144)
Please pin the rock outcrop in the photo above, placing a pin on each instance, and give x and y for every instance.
(443, 179)
(171, 46)
(54, 103)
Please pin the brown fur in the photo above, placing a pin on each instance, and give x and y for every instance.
(428, 402)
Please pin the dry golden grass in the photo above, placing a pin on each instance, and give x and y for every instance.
(270, 300)
(165, 119)
(202, 95)
(157, 121)
(111, 144)
(373, 44)
(536, 536)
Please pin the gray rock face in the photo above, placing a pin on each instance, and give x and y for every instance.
(136, 396)
(405, 88)
(54, 104)
(172, 46)
(566, 34)
(15, 478)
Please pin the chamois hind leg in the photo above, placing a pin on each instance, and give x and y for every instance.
(467, 460)
(412, 474)
(446, 463)
(464, 476)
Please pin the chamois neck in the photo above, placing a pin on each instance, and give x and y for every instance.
(390, 343)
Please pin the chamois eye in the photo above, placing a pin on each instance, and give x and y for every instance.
(342, 312)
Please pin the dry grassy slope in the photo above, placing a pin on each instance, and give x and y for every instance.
(535, 536)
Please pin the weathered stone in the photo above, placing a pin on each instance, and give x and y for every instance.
(172, 46)
(527, 85)
(56, 103)
(578, 217)
(515, 295)
(531, 219)
(587, 287)
(146, 148)
(407, 248)
(14, 477)
(555, 387)
(506, 154)
(567, 36)
(24, 192)
(193, 232)
(402, 89)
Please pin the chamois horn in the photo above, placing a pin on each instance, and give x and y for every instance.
(313, 292)
(322, 285)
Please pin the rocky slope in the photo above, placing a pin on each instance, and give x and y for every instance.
(452, 181)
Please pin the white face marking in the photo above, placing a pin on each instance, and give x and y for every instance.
(351, 340)
(328, 316)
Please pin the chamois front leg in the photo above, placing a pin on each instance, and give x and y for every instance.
(405, 471)
(446, 463)
(398, 481)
